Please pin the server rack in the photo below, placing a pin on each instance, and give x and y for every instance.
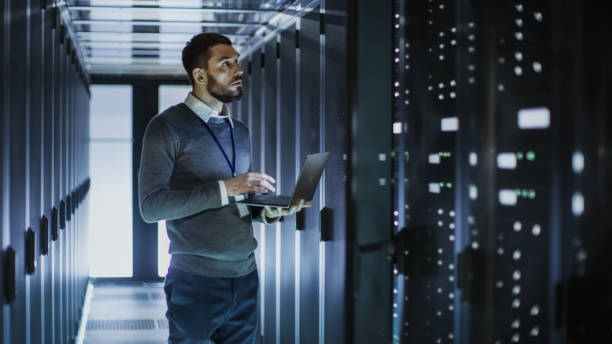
(285, 183)
(369, 245)
(294, 107)
(44, 175)
(493, 105)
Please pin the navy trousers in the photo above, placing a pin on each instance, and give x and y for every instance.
(203, 309)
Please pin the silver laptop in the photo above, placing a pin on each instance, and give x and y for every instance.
(304, 189)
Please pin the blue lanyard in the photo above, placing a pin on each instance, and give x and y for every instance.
(232, 164)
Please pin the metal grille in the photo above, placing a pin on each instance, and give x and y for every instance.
(121, 325)
(138, 297)
(158, 296)
(162, 324)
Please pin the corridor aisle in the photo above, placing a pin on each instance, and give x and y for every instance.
(122, 313)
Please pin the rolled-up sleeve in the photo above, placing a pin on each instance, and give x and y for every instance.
(223, 190)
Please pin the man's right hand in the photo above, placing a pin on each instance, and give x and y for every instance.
(249, 182)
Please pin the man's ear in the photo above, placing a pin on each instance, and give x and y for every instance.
(199, 76)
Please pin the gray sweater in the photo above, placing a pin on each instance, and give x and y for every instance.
(178, 181)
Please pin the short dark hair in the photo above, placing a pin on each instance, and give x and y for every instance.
(197, 51)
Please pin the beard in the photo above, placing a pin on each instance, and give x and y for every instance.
(223, 93)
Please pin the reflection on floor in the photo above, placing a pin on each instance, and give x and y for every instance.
(126, 313)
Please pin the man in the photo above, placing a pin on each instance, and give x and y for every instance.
(196, 162)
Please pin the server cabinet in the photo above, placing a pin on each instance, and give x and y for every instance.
(529, 265)
(286, 182)
(270, 143)
(34, 60)
(308, 121)
(56, 252)
(145, 235)
(492, 101)
(63, 187)
(45, 99)
(19, 118)
(429, 160)
(254, 123)
(4, 166)
(582, 85)
(71, 160)
(369, 173)
(61, 172)
(334, 119)
(284, 106)
(255, 115)
(476, 169)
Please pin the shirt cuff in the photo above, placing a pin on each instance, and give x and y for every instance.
(264, 219)
(223, 189)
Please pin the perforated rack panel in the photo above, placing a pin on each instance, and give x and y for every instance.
(499, 113)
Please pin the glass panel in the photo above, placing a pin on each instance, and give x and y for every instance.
(111, 112)
(168, 95)
(110, 221)
(171, 95)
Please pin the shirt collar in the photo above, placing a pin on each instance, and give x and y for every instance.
(204, 111)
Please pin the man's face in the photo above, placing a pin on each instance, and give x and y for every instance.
(224, 74)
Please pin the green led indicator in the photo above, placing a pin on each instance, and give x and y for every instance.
(525, 193)
(518, 192)
(442, 184)
(449, 185)
(531, 156)
(519, 155)
(532, 194)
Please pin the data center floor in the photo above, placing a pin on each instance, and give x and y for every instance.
(126, 313)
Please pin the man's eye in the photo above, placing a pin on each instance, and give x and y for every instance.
(225, 64)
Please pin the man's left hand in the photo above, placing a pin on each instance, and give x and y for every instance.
(275, 212)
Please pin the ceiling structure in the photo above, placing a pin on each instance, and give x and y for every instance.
(146, 37)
